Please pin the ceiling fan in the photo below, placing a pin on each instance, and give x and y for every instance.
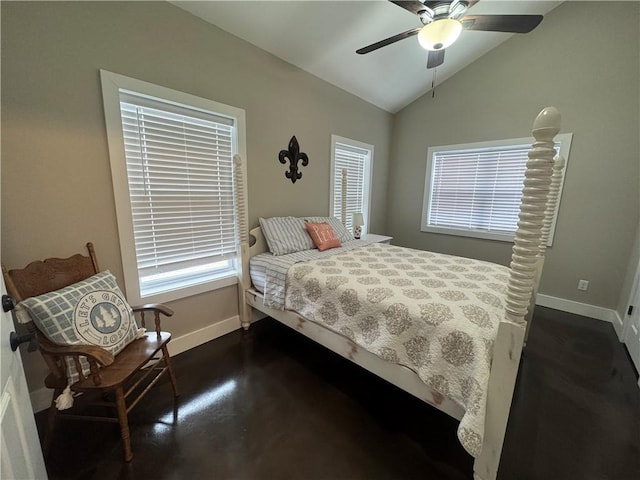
(442, 23)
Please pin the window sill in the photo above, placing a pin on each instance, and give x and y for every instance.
(502, 237)
(185, 292)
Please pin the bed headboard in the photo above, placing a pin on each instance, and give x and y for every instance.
(257, 242)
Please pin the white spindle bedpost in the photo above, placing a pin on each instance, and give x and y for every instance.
(244, 310)
(554, 194)
(343, 198)
(533, 208)
(552, 203)
(524, 261)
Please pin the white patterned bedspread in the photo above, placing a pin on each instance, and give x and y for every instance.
(436, 314)
(274, 268)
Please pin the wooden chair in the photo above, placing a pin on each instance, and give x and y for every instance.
(121, 381)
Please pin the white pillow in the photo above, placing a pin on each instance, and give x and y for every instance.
(340, 230)
(285, 235)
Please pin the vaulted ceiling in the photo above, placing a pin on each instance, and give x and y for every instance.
(321, 37)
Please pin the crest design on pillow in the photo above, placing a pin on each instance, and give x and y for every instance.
(101, 317)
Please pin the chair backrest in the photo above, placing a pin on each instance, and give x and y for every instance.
(49, 275)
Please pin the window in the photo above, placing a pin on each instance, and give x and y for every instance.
(355, 159)
(172, 168)
(475, 189)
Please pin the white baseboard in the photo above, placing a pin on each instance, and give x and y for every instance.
(618, 325)
(41, 398)
(193, 339)
(584, 309)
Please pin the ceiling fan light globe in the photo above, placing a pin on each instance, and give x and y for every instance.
(439, 34)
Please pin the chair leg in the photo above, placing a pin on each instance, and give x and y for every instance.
(172, 376)
(52, 415)
(124, 424)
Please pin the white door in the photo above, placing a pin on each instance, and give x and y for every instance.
(632, 328)
(20, 454)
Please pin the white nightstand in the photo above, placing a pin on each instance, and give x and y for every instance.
(377, 238)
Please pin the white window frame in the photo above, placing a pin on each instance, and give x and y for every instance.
(112, 84)
(336, 182)
(563, 147)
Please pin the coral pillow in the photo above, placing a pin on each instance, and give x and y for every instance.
(322, 235)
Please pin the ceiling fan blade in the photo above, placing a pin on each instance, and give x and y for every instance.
(388, 41)
(501, 23)
(412, 6)
(435, 58)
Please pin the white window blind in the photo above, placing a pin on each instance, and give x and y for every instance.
(477, 189)
(180, 171)
(355, 161)
(474, 190)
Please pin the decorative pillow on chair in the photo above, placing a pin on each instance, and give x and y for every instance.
(93, 311)
(323, 235)
(340, 230)
(285, 235)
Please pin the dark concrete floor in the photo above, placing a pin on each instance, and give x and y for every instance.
(269, 404)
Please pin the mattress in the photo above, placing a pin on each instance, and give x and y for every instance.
(258, 272)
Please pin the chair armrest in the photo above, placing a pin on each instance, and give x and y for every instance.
(157, 309)
(54, 354)
(154, 307)
(99, 354)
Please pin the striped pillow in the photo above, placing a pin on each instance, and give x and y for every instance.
(285, 235)
(341, 231)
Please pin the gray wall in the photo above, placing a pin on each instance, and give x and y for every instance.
(56, 181)
(584, 60)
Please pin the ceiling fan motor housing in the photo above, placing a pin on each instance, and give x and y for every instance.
(441, 10)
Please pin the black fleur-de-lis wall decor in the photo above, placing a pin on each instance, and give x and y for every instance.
(294, 155)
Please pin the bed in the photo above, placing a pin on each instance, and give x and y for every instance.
(448, 330)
